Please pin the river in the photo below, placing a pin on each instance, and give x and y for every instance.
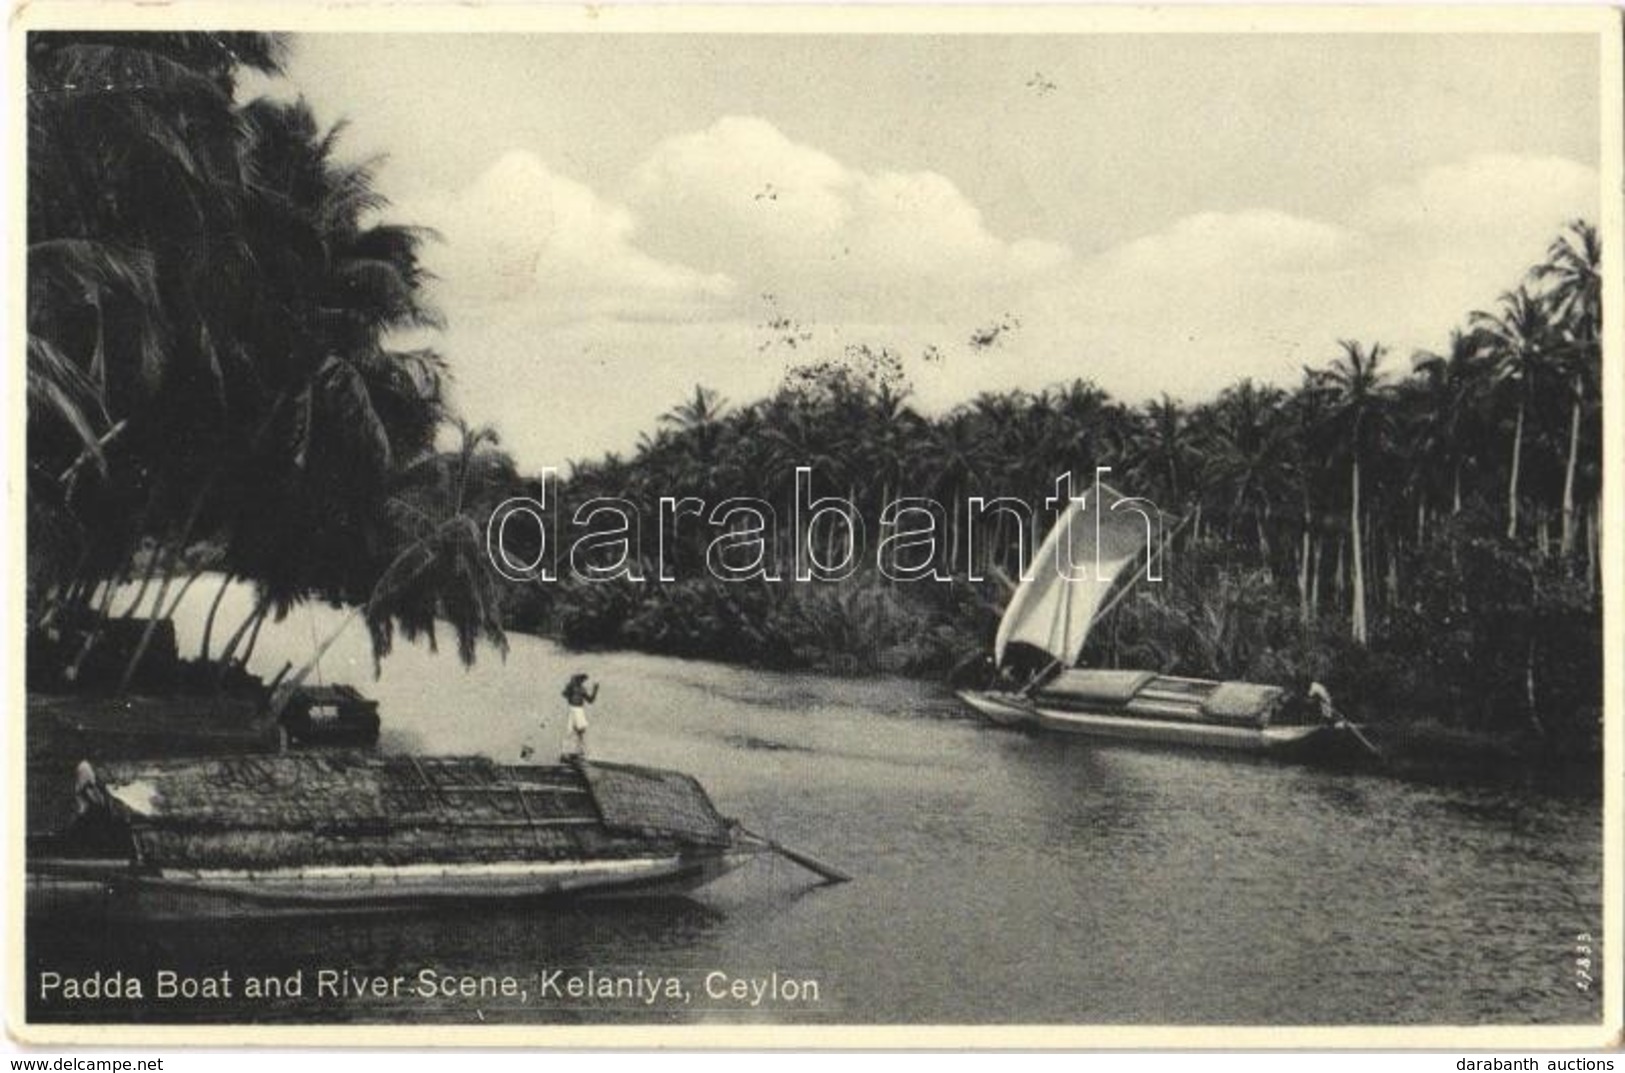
(1000, 877)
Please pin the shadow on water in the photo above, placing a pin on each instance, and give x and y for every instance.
(750, 741)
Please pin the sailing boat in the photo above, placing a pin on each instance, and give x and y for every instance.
(1068, 588)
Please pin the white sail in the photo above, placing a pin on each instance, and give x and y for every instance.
(1069, 578)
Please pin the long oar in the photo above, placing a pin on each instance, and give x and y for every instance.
(1349, 725)
(828, 872)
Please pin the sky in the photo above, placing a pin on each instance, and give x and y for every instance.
(625, 216)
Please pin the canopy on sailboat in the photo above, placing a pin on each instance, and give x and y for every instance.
(1070, 577)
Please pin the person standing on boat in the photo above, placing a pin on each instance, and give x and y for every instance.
(577, 696)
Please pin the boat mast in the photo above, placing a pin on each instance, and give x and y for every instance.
(1065, 606)
(1145, 568)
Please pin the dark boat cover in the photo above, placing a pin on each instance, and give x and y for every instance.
(1115, 688)
(1242, 703)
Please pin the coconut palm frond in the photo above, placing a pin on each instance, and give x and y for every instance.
(343, 391)
(93, 71)
(59, 390)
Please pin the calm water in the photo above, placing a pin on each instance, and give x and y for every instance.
(1000, 877)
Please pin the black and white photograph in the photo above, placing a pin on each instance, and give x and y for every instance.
(1034, 523)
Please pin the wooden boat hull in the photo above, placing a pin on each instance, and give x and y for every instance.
(1013, 710)
(223, 892)
(1001, 709)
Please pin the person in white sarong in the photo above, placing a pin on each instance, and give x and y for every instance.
(577, 695)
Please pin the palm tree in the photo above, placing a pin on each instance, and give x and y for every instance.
(1572, 270)
(135, 185)
(702, 411)
(1162, 451)
(131, 157)
(1452, 388)
(697, 423)
(438, 568)
(954, 465)
(1358, 387)
(329, 407)
(1246, 453)
(434, 567)
(1307, 427)
(1519, 337)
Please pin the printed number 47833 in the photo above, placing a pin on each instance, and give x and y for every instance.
(1583, 955)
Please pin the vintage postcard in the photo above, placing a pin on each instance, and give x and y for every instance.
(814, 527)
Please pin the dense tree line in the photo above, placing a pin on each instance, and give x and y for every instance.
(211, 296)
(1425, 533)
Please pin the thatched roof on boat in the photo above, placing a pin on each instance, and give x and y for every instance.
(324, 808)
(655, 801)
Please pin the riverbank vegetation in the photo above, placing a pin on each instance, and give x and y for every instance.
(215, 389)
(212, 387)
(1420, 532)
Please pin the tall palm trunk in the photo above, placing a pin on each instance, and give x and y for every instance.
(77, 592)
(175, 604)
(1339, 572)
(193, 515)
(285, 690)
(158, 615)
(214, 608)
(1357, 563)
(1314, 579)
(1303, 573)
(1529, 690)
(1512, 483)
(1591, 550)
(104, 611)
(261, 606)
(1567, 545)
(158, 555)
(253, 639)
(151, 568)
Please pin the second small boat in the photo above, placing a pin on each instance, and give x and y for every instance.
(1148, 707)
(1073, 583)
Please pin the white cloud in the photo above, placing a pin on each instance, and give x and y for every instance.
(1487, 193)
(712, 220)
(1246, 243)
(661, 287)
(742, 198)
(1216, 296)
(521, 232)
(1457, 235)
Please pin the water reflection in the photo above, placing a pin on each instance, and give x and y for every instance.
(1000, 877)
